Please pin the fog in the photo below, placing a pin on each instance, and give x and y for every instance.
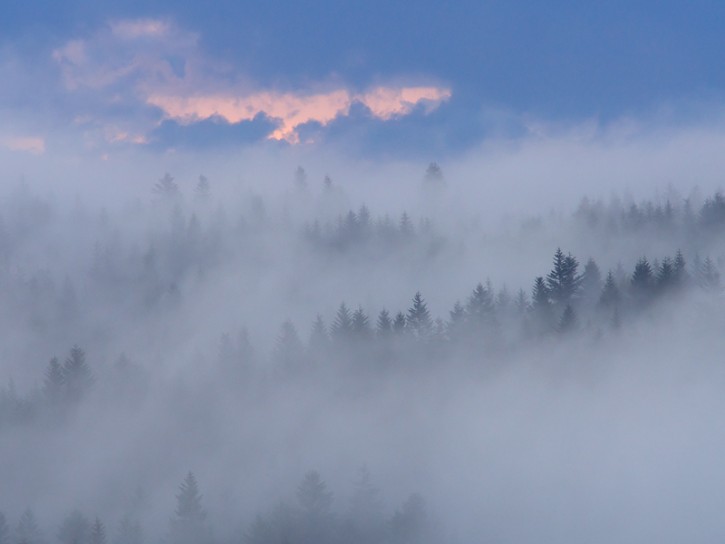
(194, 303)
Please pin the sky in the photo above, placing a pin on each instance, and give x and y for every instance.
(392, 77)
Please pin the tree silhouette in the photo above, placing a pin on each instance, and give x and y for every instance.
(188, 526)
(418, 320)
(77, 377)
(75, 529)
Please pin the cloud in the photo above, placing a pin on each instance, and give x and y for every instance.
(155, 64)
(29, 144)
(295, 109)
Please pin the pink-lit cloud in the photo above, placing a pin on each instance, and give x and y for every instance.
(292, 110)
(28, 144)
(131, 60)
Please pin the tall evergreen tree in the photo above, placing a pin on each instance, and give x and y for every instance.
(98, 533)
(481, 309)
(77, 376)
(360, 324)
(384, 325)
(312, 495)
(418, 320)
(341, 328)
(400, 324)
(188, 526)
(591, 282)
(54, 383)
(680, 270)
(610, 295)
(288, 348)
(563, 281)
(129, 532)
(319, 339)
(75, 529)
(643, 281)
(27, 531)
(568, 321)
(665, 279)
(708, 276)
(541, 309)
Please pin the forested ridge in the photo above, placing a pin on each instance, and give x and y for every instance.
(115, 312)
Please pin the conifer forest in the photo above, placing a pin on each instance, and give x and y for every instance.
(198, 361)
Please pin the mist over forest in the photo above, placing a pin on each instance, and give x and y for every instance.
(396, 354)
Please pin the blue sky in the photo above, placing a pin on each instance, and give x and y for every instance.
(430, 76)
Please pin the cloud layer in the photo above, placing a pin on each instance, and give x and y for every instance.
(156, 66)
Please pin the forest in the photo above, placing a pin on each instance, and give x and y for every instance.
(211, 364)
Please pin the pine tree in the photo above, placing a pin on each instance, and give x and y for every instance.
(642, 281)
(418, 320)
(665, 275)
(568, 321)
(54, 383)
(456, 322)
(360, 324)
(300, 179)
(680, 270)
(129, 532)
(366, 510)
(384, 325)
(408, 524)
(591, 282)
(319, 339)
(313, 496)
(480, 308)
(166, 187)
(563, 282)
(708, 276)
(77, 376)
(98, 533)
(288, 348)
(203, 189)
(521, 303)
(75, 529)
(610, 293)
(341, 328)
(188, 526)
(541, 308)
(400, 324)
(27, 531)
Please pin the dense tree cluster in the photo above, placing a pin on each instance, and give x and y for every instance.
(309, 518)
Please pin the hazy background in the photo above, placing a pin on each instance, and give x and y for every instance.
(568, 126)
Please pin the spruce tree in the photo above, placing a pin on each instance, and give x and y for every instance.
(642, 281)
(360, 325)
(319, 339)
(418, 320)
(384, 325)
(708, 276)
(188, 526)
(27, 531)
(75, 529)
(288, 348)
(610, 293)
(341, 328)
(563, 282)
(129, 532)
(77, 376)
(400, 324)
(568, 321)
(541, 309)
(98, 533)
(54, 383)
